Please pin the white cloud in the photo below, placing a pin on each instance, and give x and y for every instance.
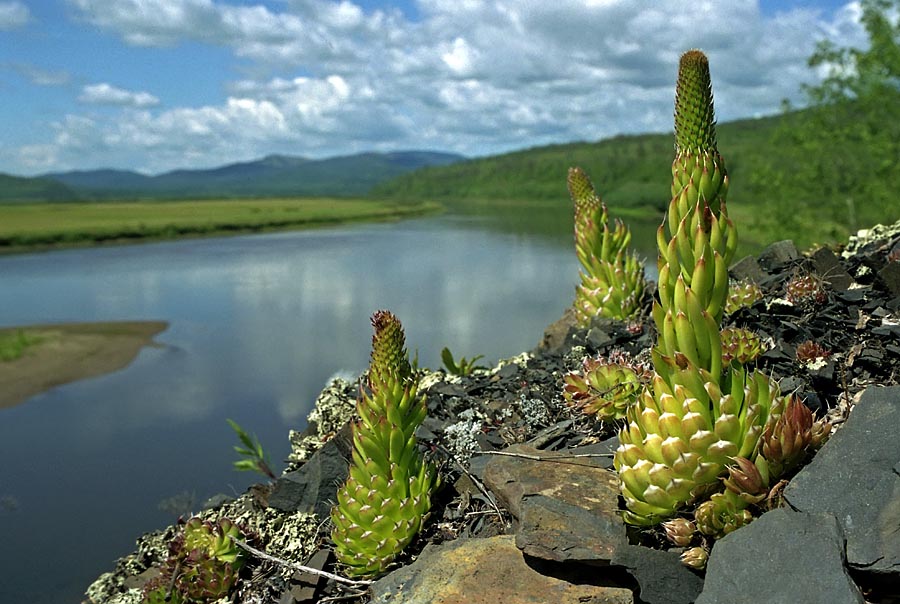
(107, 94)
(13, 15)
(470, 76)
(41, 77)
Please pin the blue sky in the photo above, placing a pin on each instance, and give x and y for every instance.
(154, 85)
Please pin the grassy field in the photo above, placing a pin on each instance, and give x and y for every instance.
(29, 226)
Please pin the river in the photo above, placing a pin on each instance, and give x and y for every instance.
(258, 325)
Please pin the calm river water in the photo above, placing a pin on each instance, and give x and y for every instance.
(258, 325)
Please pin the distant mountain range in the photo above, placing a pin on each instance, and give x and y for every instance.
(271, 176)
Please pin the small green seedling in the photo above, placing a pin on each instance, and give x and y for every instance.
(256, 459)
(463, 367)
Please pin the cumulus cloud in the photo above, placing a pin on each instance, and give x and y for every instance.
(475, 77)
(13, 15)
(107, 94)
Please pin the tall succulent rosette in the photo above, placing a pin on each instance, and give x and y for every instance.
(612, 279)
(684, 429)
(387, 495)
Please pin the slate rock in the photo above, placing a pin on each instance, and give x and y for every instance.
(530, 471)
(829, 266)
(778, 254)
(485, 571)
(853, 477)
(567, 507)
(603, 449)
(562, 532)
(313, 487)
(556, 334)
(597, 338)
(663, 579)
(747, 269)
(783, 557)
(890, 276)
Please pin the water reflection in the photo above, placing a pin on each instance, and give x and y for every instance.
(257, 326)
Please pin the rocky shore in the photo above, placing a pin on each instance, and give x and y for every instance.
(530, 507)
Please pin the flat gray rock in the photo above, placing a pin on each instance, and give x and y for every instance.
(783, 557)
(778, 253)
(662, 578)
(854, 477)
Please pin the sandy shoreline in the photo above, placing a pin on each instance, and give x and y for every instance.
(72, 351)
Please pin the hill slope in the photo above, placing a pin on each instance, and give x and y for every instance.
(20, 189)
(272, 176)
(629, 171)
(786, 181)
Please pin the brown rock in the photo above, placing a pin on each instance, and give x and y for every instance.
(485, 571)
(526, 471)
(567, 506)
(554, 338)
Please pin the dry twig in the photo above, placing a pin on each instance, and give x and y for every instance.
(299, 567)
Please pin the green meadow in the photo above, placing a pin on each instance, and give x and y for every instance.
(30, 226)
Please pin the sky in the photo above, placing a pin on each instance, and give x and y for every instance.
(156, 85)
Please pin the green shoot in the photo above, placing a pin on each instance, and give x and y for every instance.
(256, 459)
(463, 367)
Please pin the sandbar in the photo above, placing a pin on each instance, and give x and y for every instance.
(68, 352)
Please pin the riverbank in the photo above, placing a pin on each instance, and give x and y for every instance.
(524, 526)
(64, 353)
(36, 227)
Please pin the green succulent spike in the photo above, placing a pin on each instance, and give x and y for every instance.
(697, 241)
(389, 354)
(702, 410)
(612, 279)
(694, 114)
(387, 495)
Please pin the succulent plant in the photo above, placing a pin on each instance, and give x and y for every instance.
(741, 294)
(695, 557)
(604, 387)
(748, 480)
(387, 495)
(788, 441)
(686, 428)
(612, 279)
(683, 433)
(202, 566)
(805, 290)
(680, 531)
(810, 351)
(721, 514)
(740, 345)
